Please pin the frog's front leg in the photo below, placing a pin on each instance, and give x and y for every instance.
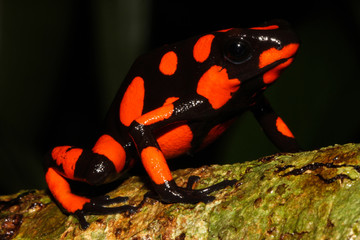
(274, 127)
(154, 162)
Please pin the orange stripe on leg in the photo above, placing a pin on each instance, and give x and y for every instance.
(60, 189)
(155, 165)
(110, 148)
(282, 128)
(67, 157)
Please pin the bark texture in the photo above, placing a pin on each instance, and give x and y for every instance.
(307, 195)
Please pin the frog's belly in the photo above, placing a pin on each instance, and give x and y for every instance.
(176, 140)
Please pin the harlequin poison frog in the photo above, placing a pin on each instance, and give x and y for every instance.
(176, 100)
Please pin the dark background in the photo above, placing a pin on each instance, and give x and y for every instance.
(61, 63)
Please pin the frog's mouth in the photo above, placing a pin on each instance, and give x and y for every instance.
(273, 60)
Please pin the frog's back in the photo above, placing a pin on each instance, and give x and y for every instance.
(163, 74)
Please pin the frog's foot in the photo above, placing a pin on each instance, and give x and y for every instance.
(96, 207)
(170, 193)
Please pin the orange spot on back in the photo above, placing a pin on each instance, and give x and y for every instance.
(156, 115)
(271, 27)
(282, 128)
(225, 30)
(272, 55)
(175, 140)
(110, 148)
(60, 188)
(132, 104)
(155, 165)
(168, 63)
(202, 48)
(67, 157)
(216, 86)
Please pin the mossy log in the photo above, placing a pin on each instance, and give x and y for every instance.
(307, 195)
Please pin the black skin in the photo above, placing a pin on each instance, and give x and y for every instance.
(248, 97)
(96, 206)
(266, 117)
(230, 51)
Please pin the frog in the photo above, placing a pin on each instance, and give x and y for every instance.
(176, 100)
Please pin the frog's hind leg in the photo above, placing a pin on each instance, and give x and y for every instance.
(95, 167)
(80, 205)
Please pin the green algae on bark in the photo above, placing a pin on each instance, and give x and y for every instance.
(308, 195)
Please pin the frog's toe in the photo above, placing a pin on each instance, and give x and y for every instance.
(169, 192)
(97, 206)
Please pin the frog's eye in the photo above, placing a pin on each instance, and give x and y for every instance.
(237, 51)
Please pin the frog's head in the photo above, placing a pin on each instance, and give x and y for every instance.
(264, 50)
(251, 58)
